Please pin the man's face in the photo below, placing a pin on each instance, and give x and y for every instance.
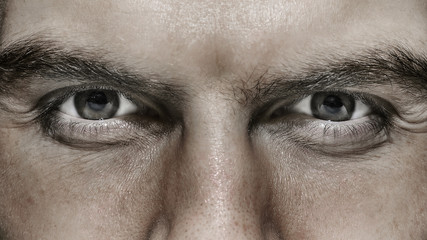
(213, 120)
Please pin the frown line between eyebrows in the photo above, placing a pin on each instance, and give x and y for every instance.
(394, 65)
(47, 60)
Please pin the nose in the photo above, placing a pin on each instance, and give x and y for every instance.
(217, 188)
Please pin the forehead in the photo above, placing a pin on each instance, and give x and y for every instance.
(218, 37)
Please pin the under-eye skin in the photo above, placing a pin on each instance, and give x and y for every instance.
(98, 115)
(332, 121)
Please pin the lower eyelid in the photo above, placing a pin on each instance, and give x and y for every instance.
(74, 131)
(64, 119)
(91, 134)
(350, 131)
(137, 118)
(329, 137)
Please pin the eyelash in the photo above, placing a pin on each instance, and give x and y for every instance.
(81, 131)
(369, 130)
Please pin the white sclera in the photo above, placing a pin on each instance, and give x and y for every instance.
(304, 106)
(125, 107)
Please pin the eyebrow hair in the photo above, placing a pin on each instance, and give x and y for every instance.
(392, 65)
(46, 61)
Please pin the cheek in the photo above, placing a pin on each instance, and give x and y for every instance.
(381, 194)
(51, 190)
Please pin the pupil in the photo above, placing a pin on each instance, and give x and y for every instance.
(96, 104)
(332, 106)
(97, 101)
(333, 102)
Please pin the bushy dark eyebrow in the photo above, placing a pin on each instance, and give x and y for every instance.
(392, 65)
(47, 61)
(43, 59)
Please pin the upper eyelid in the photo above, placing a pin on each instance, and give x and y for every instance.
(364, 97)
(53, 99)
(168, 112)
(62, 94)
(371, 100)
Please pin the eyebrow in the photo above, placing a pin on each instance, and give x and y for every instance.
(394, 66)
(47, 60)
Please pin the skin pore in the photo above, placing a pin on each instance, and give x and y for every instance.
(216, 142)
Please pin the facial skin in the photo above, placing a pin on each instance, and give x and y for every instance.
(217, 148)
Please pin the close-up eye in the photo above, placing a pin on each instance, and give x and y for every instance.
(98, 104)
(332, 106)
(97, 115)
(354, 121)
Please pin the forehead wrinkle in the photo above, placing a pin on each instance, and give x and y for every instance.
(223, 38)
(218, 28)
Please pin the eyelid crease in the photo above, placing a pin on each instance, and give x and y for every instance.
(414, 121)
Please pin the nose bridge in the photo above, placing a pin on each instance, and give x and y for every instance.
(216, 190)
